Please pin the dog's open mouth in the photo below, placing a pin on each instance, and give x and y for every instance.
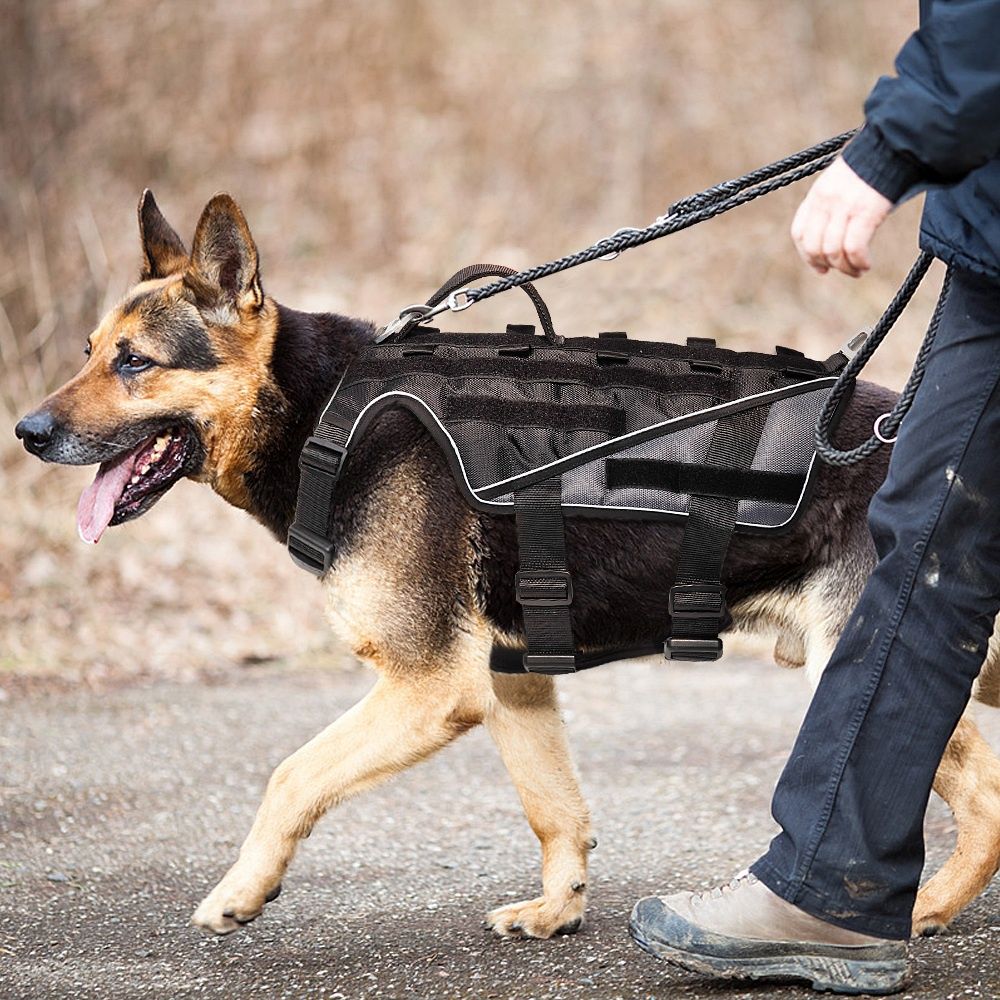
(131, 483)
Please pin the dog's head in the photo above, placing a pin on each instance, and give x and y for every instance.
(172, 376)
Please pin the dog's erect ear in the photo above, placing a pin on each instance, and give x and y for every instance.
(224, 257)
(163, 252)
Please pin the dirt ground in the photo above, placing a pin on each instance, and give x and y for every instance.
(120, 807)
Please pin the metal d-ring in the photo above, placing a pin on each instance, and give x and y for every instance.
(877, 428)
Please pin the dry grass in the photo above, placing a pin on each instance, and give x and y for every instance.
(377, 146)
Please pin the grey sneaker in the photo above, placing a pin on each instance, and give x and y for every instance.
(744, 931)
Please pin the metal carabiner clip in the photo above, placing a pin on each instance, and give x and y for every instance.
(407, 315)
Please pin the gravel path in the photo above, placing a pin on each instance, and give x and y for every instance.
(119, 810)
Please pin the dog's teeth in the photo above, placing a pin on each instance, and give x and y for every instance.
(144, 469)
(134, 480)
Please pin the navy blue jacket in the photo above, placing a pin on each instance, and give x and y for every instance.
(935, 126)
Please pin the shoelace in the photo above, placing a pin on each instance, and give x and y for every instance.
(737, 881)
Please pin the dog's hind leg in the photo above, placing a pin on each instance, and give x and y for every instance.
(968, 779)
(524, 722)
(406, 717)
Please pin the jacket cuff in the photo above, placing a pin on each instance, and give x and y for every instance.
(880, 166)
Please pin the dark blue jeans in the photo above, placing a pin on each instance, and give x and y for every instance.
(852, 797)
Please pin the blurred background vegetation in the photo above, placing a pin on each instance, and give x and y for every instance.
(376, 146)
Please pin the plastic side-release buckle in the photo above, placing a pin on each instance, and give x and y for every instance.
(543, 588)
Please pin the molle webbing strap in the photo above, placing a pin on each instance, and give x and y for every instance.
(319, 468)
(384, 367)
(542, 585)
(697, 601)
(529, 413)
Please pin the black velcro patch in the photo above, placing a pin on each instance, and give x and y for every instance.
(702, 480)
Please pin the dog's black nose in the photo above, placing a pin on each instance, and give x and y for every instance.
(36, 431)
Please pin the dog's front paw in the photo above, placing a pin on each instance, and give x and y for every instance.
(540, 918)
(229, 907)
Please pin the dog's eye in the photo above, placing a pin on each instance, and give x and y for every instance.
(86, 349)
(135, 363)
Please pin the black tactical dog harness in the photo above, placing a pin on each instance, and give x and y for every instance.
(543, 428)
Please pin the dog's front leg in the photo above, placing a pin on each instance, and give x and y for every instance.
(402, 720)
(525, 724)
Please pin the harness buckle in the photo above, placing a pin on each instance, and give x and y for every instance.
(310, 551)
(322, 456)
(700, 650)
(543, 588)
(548, 663)
(687, 601)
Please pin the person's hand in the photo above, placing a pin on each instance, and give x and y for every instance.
(836, 221)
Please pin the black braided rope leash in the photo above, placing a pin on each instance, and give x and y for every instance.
(765, 173)
(685, 213)
(888, 424)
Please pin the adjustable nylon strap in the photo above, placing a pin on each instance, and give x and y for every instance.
(320, 463)
(543, 586)
(697, 599)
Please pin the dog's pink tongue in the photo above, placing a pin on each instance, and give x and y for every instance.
(97, 502)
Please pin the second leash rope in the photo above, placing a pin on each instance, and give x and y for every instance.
(888, 423)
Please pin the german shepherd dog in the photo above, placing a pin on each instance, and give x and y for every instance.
(198, 373)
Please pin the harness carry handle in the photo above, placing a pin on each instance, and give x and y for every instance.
(450, 292)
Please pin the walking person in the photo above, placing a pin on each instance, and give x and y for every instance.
(830, 901)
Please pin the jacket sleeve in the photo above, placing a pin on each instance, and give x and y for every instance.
(939, 117)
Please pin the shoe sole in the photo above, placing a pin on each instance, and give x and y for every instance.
(833, 975)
